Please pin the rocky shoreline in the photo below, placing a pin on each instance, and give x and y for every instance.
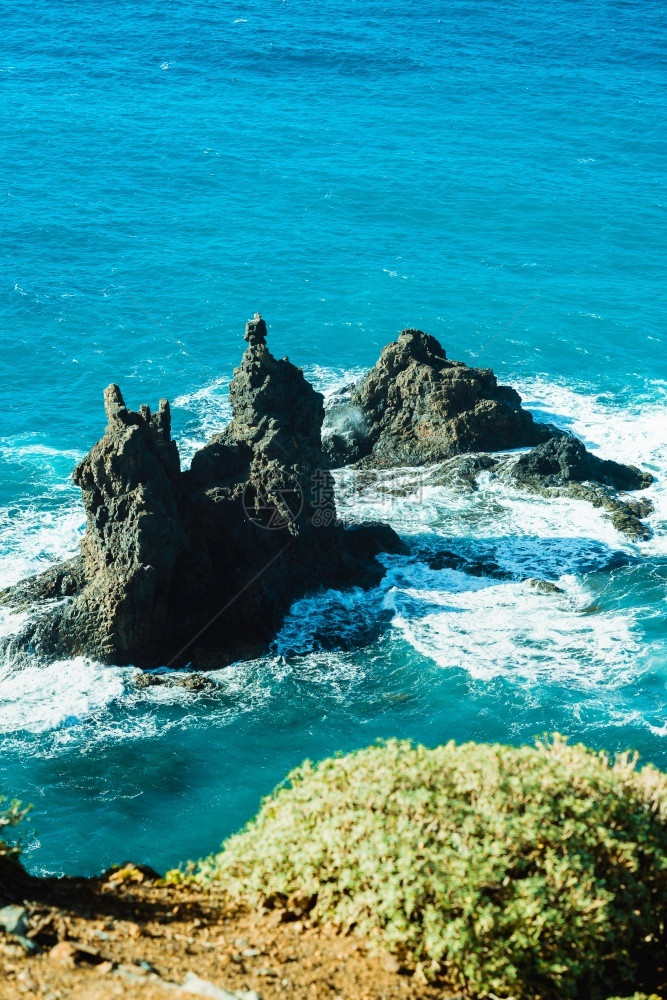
(200, 566)
(416, 407)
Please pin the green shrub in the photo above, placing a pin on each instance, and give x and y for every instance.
(515, 871)
(638, 996)
(10, 816)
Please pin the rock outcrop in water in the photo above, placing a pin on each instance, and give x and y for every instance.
(563, 466)
(566, 460)
(201, 566)
(415, 407)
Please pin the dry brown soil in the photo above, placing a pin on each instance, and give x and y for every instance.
(106, 938)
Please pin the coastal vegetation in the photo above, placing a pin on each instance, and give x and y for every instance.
(478, 870)
(526, 872)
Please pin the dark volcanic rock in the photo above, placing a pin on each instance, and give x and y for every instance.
(255, 331)
(201, 566)
(482, 566)
(135, 532)
(564, 467)
(135, 536)
(367, 540)
(59, 581)
(415, 406)
(566, 460)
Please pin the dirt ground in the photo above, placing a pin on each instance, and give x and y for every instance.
(127, 936)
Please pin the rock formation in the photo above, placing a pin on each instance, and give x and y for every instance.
(560, 467)
(201, 565)
(564, 467)
(567, 460)
(415, 407)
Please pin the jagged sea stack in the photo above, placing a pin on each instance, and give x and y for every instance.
(136, 533)
(415, 406)
(200, 565)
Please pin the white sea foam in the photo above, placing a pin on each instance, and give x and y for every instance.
(492, 629)
(10, 622)
(63, 694)
(331, 380)
(75, 700)
(633, 433)
(524, 533)
(32, 539)
(627, 432)
(40, 450)
(207, 411)
(45, 527)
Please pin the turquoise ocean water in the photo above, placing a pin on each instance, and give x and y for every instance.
(348, 169)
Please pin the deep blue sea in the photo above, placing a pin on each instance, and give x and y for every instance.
(491, 172)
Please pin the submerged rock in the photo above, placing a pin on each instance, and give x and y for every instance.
(481, 566)
(59, 581)
(176, 679)
(415, 407)
(544, 586)
(201, 566)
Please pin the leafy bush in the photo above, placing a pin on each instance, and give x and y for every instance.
(10, 816)
(638, 996)
(517, 871)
